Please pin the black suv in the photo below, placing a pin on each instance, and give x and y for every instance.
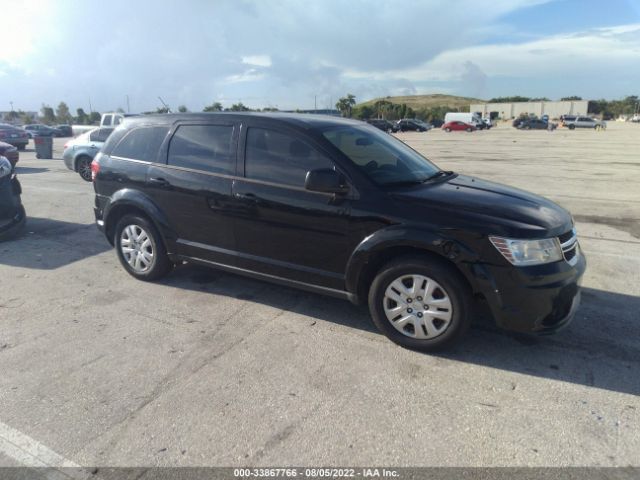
(384, 125)
(412, 125)
(338, 207)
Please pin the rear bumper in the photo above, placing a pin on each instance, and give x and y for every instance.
(541, 299)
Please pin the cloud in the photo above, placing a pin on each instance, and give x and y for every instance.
(289, 53)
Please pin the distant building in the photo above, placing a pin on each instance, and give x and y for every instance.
(507, 111)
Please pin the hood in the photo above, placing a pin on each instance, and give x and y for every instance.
(493, 204)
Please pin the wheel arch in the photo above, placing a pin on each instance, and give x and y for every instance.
(77, 158)
(129, 201)
(380, 248)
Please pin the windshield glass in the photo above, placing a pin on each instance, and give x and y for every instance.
(383, 158)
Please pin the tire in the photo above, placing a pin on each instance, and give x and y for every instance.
(421, 329)
(22, 147)
(448, 130)
(16, 229)
(152, 261)
(83, 167)
(468, 130)
(572, 127)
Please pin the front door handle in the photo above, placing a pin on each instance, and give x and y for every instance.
(245, 196)
(159, 182)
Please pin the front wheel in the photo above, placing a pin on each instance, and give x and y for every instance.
(447, 130)
(468, 130)
(140, 248)
(420, 303)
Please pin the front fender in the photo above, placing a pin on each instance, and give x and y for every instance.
(440, 243)
(127, 199)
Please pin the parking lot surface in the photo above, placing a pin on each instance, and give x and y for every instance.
(207, 368)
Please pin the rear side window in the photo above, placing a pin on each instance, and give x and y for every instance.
(100, 135)
(141, 143)
(280, 158)
(203, 147)
(106, 121)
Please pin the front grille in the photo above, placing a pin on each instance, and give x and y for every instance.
(569, 244)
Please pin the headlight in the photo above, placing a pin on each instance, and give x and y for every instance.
(5, 167)
(528, 252)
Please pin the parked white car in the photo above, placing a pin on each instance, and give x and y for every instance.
(79, 152)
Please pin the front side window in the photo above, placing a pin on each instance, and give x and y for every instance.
(383, 158)
(281, 158)
(203, 147)
(141, 143)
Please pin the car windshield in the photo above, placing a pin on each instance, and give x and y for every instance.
(383, 158)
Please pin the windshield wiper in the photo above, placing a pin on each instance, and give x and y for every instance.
(439, 173)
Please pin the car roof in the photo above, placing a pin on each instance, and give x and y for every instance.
(300, 120)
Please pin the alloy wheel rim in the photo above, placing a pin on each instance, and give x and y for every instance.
(137, 248)
(85, 169)
(418, 306)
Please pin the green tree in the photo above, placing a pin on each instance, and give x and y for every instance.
(214, 107)
(515, 98)
(346, 104)
(81, 117)
(48, 115)
(94, 118)
(62, 113)
(183, 109)
(238, 107)
(570, 99)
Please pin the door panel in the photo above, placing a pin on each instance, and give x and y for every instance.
(280, 228)
(194, 188)
(291, 233)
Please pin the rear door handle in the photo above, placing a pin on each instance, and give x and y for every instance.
(159, 182)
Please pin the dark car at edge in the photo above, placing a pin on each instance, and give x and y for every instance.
(338, 207)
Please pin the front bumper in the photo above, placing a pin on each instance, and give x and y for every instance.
(540, 299)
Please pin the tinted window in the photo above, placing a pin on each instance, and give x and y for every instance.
(203, 147)
(141, 143)
(381, 157)
(117, 120)
(280, 158)
(107, 120)
(100, 135)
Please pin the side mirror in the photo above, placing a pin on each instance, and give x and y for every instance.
(326, 180)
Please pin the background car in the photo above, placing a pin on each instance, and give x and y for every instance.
(584, 122)
(79, 152)
(66, 130)
(382, 124)
(15, 136)
(9, 152)
(535, 124)
(458, 126)
(411, 125)
(37, 129)
(436, 122)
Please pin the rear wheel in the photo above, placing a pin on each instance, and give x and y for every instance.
(447, 129)
(84, 168)
(420, 303)
(22, 147)
(140, 248)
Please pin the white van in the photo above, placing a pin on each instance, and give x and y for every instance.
(466, 117)
(113, 119)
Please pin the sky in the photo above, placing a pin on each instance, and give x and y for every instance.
(300, 53)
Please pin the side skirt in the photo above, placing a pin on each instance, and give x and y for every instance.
(353, 298)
